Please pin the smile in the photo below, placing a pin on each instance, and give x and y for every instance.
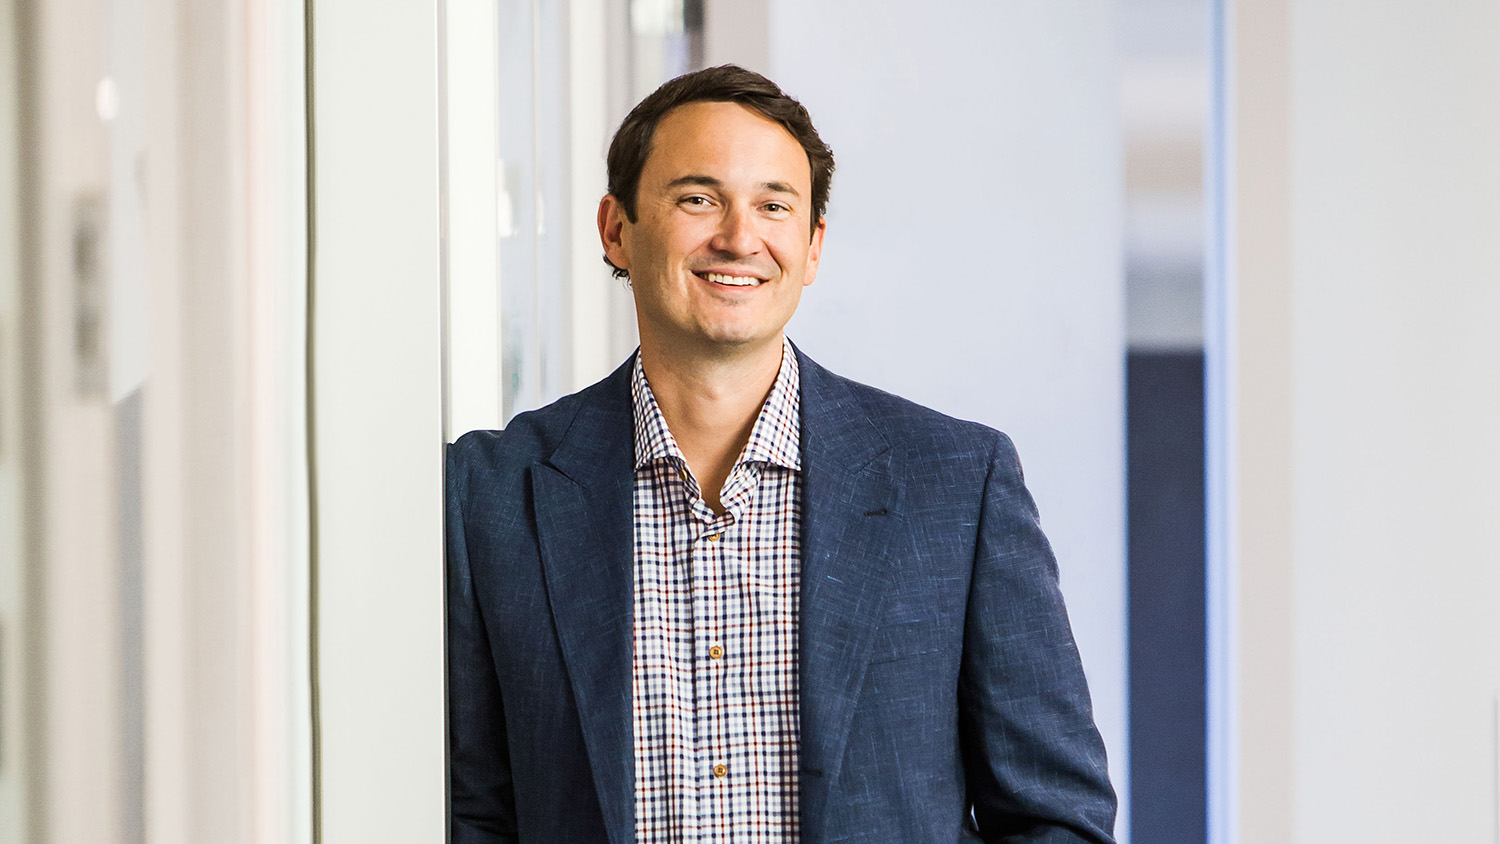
(732, 280)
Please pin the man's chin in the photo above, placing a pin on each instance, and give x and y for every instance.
(735, 341)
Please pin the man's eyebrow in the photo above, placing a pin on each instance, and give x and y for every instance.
(710, 182)
(695, 179)
(780, 187)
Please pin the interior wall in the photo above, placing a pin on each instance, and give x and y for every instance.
(973, 255)
(1385, 633)
(1396, 275)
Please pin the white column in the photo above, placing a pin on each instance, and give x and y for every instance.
(378, 426)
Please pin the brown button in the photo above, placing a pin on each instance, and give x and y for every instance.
(716, 652)
(720, 770)
(683, 473)
(713, 537)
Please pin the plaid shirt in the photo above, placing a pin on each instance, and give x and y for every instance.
(714, 680)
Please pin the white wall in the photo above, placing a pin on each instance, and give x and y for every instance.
(973, 257)
(1374, 364)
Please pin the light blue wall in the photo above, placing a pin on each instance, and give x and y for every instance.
(973, 257)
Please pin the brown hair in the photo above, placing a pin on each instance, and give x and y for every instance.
(724, 84)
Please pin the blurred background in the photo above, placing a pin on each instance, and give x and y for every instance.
(1228, 273)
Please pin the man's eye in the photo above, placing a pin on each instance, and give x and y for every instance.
(776, 208)
(695, 200)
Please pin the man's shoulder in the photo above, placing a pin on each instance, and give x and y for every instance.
(531, 436)
(899, 412)
(910, 426)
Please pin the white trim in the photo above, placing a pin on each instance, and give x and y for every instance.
(276, 269)
(15, 741)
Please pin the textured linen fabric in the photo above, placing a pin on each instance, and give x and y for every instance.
(714, 674)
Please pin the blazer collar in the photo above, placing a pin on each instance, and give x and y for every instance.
(836, 429)
(599, 444)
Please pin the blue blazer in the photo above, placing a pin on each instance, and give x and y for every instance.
(942, 698)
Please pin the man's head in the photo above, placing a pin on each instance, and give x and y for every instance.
(715, 211)
(728, 83)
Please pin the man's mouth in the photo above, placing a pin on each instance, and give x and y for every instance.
(731, 280)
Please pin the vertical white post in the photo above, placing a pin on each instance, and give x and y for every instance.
(276, 269)
(1253, 389)
(377, 417)
(15, 741)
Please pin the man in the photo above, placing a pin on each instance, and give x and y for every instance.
(725, 595)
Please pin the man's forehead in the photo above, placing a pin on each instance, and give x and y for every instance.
(716, 108)
(725, 132)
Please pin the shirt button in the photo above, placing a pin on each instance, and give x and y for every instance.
(716, 652)
(683, 474)
(713, 537)
(720, 770)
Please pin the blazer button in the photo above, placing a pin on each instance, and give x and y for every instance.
(716, 652)
(720, 770)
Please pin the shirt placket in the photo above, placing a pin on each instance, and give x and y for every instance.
(714, 604)
(716, 619)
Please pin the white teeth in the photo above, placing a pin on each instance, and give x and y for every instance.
(732, 280)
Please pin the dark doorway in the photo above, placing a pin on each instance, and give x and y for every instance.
(1166, 584)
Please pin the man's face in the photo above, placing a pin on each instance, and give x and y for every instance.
(719, 252)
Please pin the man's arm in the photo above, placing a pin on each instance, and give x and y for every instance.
(483, 801)
(1034, 760)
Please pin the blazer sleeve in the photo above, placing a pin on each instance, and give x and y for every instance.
(1033, 759)
(482, 798)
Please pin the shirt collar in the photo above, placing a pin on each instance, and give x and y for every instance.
(775, 438)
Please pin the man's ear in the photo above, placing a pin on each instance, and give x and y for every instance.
(815, 252)
(612, 223)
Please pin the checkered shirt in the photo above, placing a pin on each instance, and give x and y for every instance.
(714, 679)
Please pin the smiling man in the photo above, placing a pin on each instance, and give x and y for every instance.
(727, 596)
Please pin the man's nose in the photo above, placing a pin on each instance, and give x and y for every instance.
(736, 235)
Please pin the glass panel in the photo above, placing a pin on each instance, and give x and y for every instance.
(556, 93)
(533, 209)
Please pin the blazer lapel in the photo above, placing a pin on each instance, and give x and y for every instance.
(582, 496)
(851, 516)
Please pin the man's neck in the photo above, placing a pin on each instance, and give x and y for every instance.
(710, 405)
